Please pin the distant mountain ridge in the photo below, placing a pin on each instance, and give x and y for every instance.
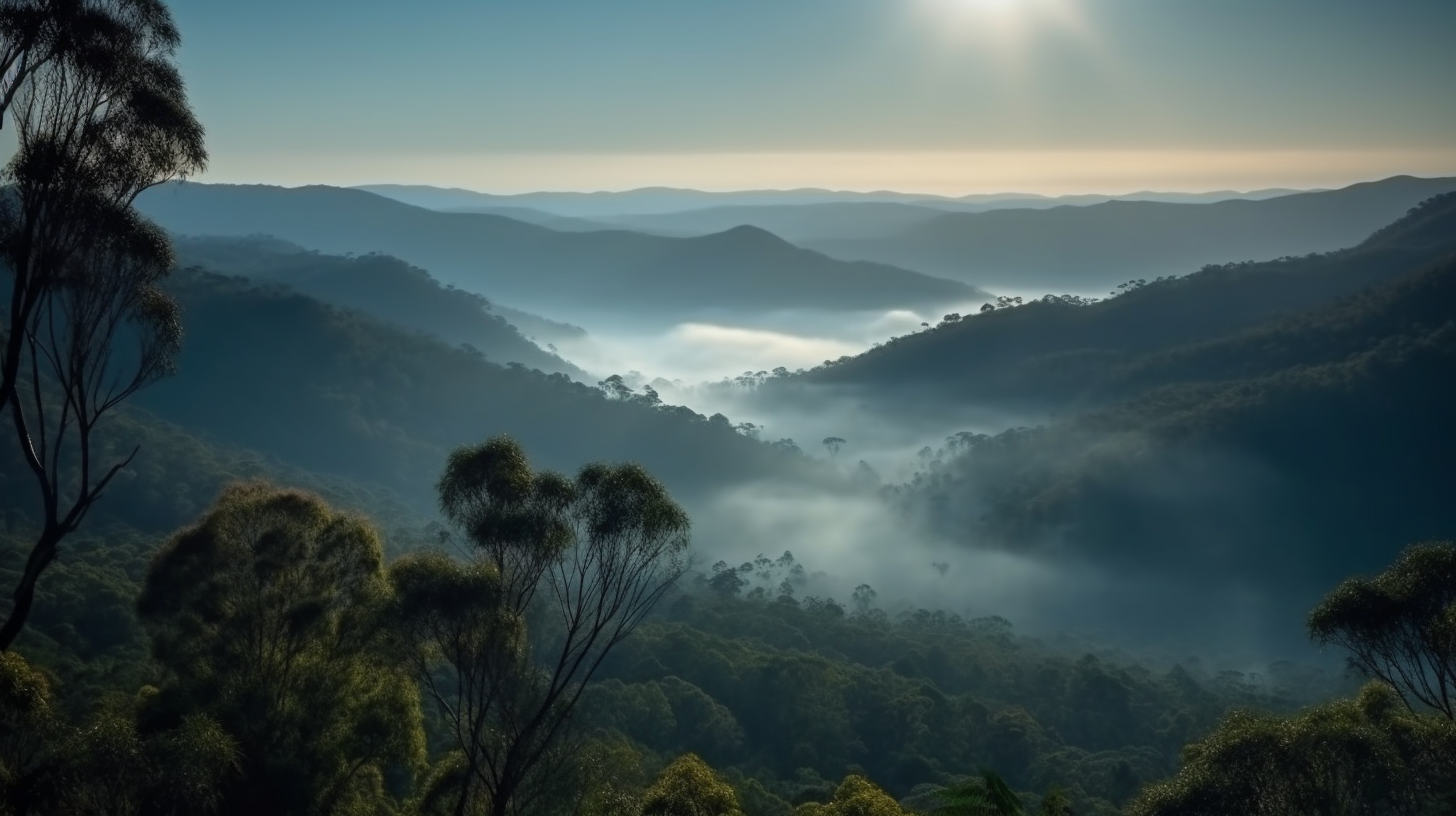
(1087, 249)
(663, 200)
(799, 223)
(542, 269)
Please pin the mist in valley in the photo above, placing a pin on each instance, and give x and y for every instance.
(849, 530)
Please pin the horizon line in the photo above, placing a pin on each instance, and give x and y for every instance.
(1009, 194)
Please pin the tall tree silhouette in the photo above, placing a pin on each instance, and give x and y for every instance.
(101, 114)
(581, 560)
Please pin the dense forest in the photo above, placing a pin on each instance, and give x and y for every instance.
(298, 533)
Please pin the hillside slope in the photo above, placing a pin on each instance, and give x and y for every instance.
(343, 394)
(380, 285)
(1054, 351)
(1273, 460)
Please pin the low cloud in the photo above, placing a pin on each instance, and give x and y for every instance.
(704, 352)
(720, 351)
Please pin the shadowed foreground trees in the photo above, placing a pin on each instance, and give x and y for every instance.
(581, 560)
(1368, 755)
(1391, 750)
(104, 765)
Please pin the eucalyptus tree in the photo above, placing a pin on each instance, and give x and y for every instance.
(689, 787)
(582, 561)
(1365, 755)
(1389, 750)
(1400, 626)
(855, 796)
(48, 765)
(101, 114)
(265, 617)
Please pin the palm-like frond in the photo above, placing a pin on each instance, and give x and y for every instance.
(988, 795)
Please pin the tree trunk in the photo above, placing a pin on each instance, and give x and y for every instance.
(464, 799)
(501, 800)
(41, 556)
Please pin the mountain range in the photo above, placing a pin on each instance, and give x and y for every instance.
(1060, 353)
(1088, 249)
(662, 200)
(547, 271)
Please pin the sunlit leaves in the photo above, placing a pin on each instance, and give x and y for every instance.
(265, 616)
(855, 796)
(688, 787)
(1367, 752)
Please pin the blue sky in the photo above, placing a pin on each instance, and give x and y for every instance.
(952, 94)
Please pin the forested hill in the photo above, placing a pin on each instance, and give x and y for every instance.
(340, 393)
(382, 286)
(1082, 249)
(535, 267)
(1277, 459)
(1051, 352)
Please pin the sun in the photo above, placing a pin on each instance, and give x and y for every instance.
(973, 6)
(1007, 26)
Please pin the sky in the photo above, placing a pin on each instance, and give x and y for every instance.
(941, 96)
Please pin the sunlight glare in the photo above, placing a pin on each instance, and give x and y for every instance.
(1006, 25)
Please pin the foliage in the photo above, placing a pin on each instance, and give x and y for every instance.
(1401, 625)
(598, 551)
(104, 764)
(855, 796)
(1368, 753)
(782, 694)
(688, 787)
(107, 766)
(262, 615)
(987, 796)
(101, 114)
(27, 723)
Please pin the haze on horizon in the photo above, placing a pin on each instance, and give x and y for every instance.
(947, 97)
